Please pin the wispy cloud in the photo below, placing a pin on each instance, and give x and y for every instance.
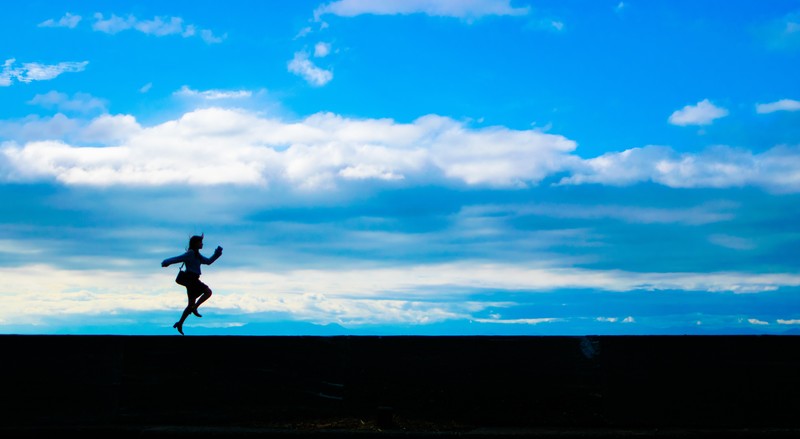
(557, 25)
(303, 32)
(781, 105)
(546, 24)
(628, 319)
(732, 242)
(300, 65)
(212, 95)
(783, 33)
(158, 26)
(68, 20)
(535, 321)
(703, 214)
(79, 102)
(30, 72)
(467, 10)
(209, 37)
(703, 113)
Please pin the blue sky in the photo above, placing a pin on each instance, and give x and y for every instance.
(402, 167)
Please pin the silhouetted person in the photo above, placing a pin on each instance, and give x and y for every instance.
(197, 291)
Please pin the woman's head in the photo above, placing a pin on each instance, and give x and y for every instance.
(196, 242)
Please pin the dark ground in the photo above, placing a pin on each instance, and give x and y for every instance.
(566, 387)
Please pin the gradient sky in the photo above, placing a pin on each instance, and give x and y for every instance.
(402, 167)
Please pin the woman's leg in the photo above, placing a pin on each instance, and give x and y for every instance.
(203, 297)
(179, 324)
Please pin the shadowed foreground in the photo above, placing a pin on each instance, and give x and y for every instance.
(170, 386)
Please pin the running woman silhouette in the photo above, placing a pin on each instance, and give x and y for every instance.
(197, 291)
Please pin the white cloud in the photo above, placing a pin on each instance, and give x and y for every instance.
(703, 113)
(469, 10)
(114, 24)
(163, 26)
(68, 20)
(145, 88)
(185, 91)
(496, 156)
(621, 168)
(302, 66)
(789, 322)
(322, 49)
(30, 72)
(324, 150)
(109, 129)
(243, 148)
(44, 72)
(209, 37)
(775, 169)
(79, 102)
(158, 26)
(7, 73)
(757, 322)
(365, 172)
(781, 105)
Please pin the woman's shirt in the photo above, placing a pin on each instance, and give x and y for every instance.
(192, 260)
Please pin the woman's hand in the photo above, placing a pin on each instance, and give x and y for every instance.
(218, 250)
(164, 264)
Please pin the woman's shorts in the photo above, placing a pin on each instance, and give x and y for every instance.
(196, 287)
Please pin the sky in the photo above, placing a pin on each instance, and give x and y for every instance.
(406, 167)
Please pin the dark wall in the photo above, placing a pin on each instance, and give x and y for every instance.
(691, 381)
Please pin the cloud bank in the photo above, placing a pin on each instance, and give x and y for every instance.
(351, 296)
(221, 146)
(226, 146)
